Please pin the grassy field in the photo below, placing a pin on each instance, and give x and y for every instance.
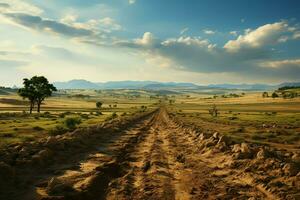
(18, 126)
(250, 117)
(245, 116)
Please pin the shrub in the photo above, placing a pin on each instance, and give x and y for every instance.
(84, 116)
(99, 104)
(98, 113)
(275, 95)
(7, 135)
(257, 137)
(58, 130)
(62, 115)
(71, 123)
(38, 128)
(114, 115)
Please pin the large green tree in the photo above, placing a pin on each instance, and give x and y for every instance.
(36, 90)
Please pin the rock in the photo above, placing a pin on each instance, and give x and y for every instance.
(290, 169)
(296, 157)
(236, 148)
(262, 154)
(57, 187)
(201, 137)
(221, 146)
(245, 148)
(7, 174)
(146, 166)
(216, 135)
(224, 139)
(6, 171)
(45, 154)
(51, 141)
(210, 142)
(42, 157)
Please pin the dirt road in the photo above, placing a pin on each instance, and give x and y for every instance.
(155, 158)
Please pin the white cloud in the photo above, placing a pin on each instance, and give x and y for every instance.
(234, 33)
(209, 32)
(186, 41)
(296, 35)
(20, 6)
(183, 31)
(131, 1)
(147, 39)
(244, 56)
(281, 63)
(269, 34)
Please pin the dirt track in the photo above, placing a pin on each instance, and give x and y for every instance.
(155, 158)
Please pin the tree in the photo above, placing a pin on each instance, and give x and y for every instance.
(213, 111)
(265, 94)
(71, 123)
(28, 92)
(99, 104)
(36, 90)
(274, 95)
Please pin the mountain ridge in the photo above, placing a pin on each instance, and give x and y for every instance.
(152, 85)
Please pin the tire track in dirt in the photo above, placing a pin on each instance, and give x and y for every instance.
(156, 158)
(90, 178)
(167, 165)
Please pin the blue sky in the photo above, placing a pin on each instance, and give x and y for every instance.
(203, 42)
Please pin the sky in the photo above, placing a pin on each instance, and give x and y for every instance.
(203, 42)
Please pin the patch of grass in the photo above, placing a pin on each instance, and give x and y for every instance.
(58, 130)
(37, 128)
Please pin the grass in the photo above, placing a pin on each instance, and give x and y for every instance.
(247, 118)
(16, 125)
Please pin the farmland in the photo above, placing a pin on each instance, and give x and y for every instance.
(143, 144)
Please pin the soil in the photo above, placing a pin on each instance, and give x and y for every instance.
(153, 156)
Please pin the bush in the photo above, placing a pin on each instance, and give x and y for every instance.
(58, 130)
(112, 116)
(37, 128)
(84, 116)
(7, 135)
(98, 113)
(275, 95)
(62, 115)
(71, 123)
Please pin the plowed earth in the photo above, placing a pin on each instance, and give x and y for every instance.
(154, 157)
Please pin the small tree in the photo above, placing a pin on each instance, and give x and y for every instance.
(99, 104)
(213, 111)
(265, 94)
(71, 123)
(274, 95)
(36, 90)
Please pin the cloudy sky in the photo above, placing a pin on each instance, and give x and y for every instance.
(207, 41)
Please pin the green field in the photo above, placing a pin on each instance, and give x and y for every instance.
(17, 125)
(251, 118)
(246, 116)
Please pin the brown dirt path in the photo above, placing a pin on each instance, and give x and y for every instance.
(153, 159)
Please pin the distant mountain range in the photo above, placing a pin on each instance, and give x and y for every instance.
(154, 85)
(84, 84)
